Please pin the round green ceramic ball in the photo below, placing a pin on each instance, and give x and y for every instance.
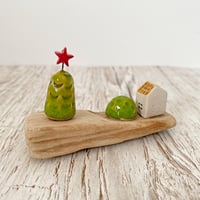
(121, 108)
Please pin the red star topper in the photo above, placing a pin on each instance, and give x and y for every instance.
(63, 57)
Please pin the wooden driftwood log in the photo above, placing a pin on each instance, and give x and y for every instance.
(47, 138)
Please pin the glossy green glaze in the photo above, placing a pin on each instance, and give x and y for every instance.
(122, 108)
(60, 100)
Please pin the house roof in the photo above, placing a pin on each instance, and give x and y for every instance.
(146, 88)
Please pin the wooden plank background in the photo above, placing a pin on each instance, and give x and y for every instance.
(161, 166)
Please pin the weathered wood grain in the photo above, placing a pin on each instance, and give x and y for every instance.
(47, 138)
(160, 166)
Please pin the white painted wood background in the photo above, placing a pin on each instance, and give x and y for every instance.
(161, 166)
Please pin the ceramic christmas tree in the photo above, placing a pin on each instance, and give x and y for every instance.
(60, 100)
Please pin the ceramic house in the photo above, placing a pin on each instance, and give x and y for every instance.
(151, 100)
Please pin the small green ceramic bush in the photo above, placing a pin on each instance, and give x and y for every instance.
(60, 101)
(121, 108)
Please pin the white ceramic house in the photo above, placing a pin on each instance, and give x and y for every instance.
(151, 100)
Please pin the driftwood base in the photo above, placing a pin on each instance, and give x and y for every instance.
(47, 138)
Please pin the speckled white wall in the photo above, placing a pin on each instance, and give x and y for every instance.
(114, 32)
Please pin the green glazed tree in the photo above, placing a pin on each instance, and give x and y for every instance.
(60, 100)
